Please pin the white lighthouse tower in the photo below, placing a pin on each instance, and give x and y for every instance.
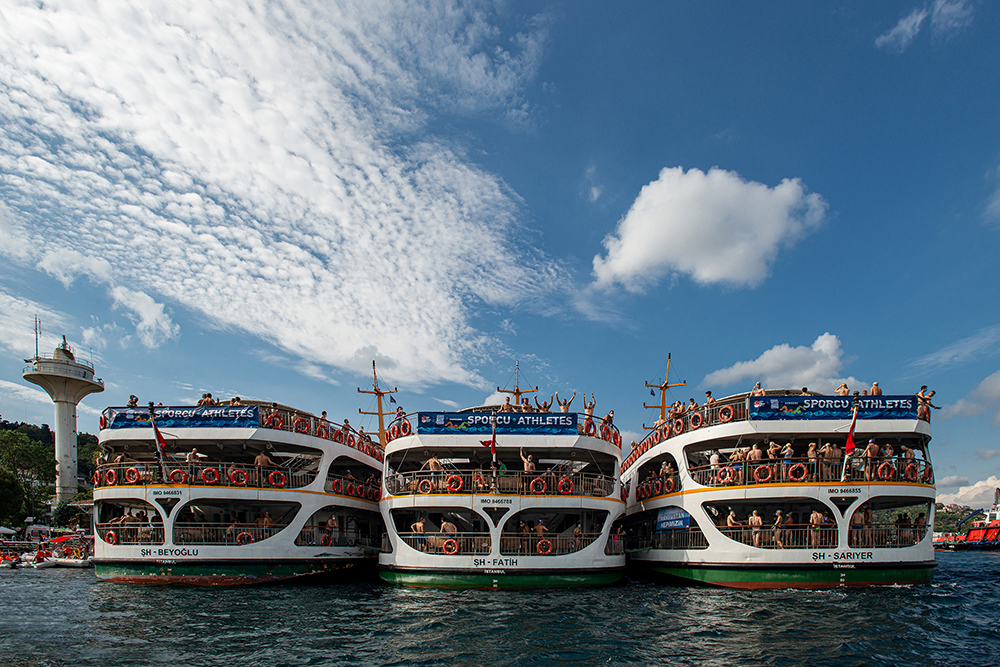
(67, 381)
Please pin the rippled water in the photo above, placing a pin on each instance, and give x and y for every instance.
(63, 617)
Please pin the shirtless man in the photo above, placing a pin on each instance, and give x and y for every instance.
(577, 537)
(133, 401)
(543, 406)
(588, 408)
(733, 527)
(345, 429)
(564, 404)
(824, 457)
(815, 524)
(857, 526)
(192, 456)
(755, 521)
(875, 390)
(709, 401)
(506, 407)
(871, 459)
(757, 390)
(813, 455)
(418, 528)
(529, 462)
(448, 528)
(524, 538)
(842, 390)
(331, 525)
(262, 461)
(540, 529)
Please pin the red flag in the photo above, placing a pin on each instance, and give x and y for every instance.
(492, 442)
(849, 447)
(161, 444)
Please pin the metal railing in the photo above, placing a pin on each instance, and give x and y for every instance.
(318, 536)
(449, 544)
(353, 488)
(683, 538)
(533, 545)
(657, 486)
(810, 471)
(886, 535)
(130, 533)
(238, 534)
(202, 474)
(297, 422)
(798, 536)
(511, 482)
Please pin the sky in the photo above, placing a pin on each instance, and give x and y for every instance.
(262, 198)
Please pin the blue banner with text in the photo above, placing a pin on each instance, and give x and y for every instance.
(478, 423)
(672, 517)
(832, 407)
(222, 416)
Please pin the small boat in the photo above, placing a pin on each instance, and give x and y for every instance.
(984, 535)
(44, 564)
(71, 562)
(8, 564)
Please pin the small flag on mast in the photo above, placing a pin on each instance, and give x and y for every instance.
(392, 400)
(652, 393)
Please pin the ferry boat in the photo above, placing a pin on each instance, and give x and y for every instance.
(701, 510)
(464, 509)
(233, 494)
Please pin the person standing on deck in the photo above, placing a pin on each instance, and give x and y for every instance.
(564, 404)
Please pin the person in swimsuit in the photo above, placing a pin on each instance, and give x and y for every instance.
(815, 523)
(418, 528)
(857, 526)
(776, 529)
(787, 452)
(756, 521)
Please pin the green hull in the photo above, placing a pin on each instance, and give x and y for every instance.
(505, 580)
(229, 572)
(784, 576)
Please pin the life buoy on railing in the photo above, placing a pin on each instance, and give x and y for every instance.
(337, 486)
(678, 426)
(425, 486)
(131, 475)
(928, 474)
(565, 486)
(238, 477)
(277, 479)
(244, 539)
(210, 476)
(726, 413)
(362, 492)
(301, 425)
(798, 473)
(323, 431)
(110, 537)
(393, 432)
(351, 440)
(616, 439)
(885, 471)
(177, 476)
(97, 478)
(111, 477)
(910, 472)
(538, 486)
(696, 420)
(544, 547)
(450, 546)
(274, 421)
(605, 432)
(765, 476)
(454, 483)
(727, 475)
(349, 489)
(325, 541)
(668, 486)
(624, 493)
(404, 428)
(656, 437)
(657, 487)
(104, 422)
(338, 436)
(378, 494)
(590, 428)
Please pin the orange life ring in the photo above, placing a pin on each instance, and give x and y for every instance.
(624, 493)
(454, 483)
(97, 478)
(349, 489)
(404, 428)
(657, 487)
(605, 432)
(338, 486)
(132, 475)
(798, 472)
(928, 474)
(210, 476)
(177, 476)
(726, 413)
(727, 475)
(678, 426)
(544, 547)
(450, 546)
(538, 486)
(378, 494)
(104, 422)
(244, 539)
(323, 431)
(238, 477)
(910, 472)
(590, 428)
(111, 477)
(885, 471)
(279, 482)
(275, 421)
(425, 486)
(393, 431)
(301, 425)
(110, 537)
(616, 439)
(668, 486)
(361, 492)
(763, 479)
(565, 486)
(656, 437)
(325, 541)
(696, 420)
(338, 436)
(351, 440)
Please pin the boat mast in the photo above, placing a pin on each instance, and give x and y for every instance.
(517, 391)
(663, 394)
(379, 393)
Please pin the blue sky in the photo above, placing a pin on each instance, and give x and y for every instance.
(261, 198)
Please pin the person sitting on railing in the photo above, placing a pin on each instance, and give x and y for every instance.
(757, 390)
(506, 407)
(236, 402)
(564, 404)
(875, 390)
(543, 406)
(842, 390)
(133, 401)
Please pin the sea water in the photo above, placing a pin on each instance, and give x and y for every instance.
(65, 617)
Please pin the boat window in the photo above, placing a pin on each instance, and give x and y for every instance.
(446, 531)
(735, 521)
(665, 528)
(231, 521)
(129, 521)
(350, 527)
(562, 531)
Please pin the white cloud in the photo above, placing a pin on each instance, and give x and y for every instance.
(984, 398)
(987, 454)
(992, 205)
(22, 393)
(950, 16)
(951, 482)
(715, 227)
(904, 32)
(979, 495)
(448, 403)
(783, 366)
(17, 325)
(270, 168)
(984, 343)
(496, 398)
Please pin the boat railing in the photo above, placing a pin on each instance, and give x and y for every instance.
(799, 536)
(657, 485)
(535, 545)
(130, 533)
(615, 545)
(318, 536)
(680, 538)
(449, 544)
(236, 534)
(483, 482)
(802, 470)
(353, 488)
(221, 473)
(297, 422)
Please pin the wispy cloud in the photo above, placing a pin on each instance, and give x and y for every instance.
(948, 17)
(815, 367)
(982, 344)
(17, 325)
(714, 227)
(987, 454)
(904, 32)
(951, 481)
(23, 393)
(270, 167)
(984, 398)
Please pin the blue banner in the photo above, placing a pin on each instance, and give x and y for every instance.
(832, 407)
(222, 416)
(672, 517)
(478, 423)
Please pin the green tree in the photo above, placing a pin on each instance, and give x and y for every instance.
(86, 455)
(11, 499)
(31, 463)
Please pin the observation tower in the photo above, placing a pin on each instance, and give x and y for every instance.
(67, 381)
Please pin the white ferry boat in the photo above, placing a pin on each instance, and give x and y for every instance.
(461, 510)
(236, 494)
(696, 490)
